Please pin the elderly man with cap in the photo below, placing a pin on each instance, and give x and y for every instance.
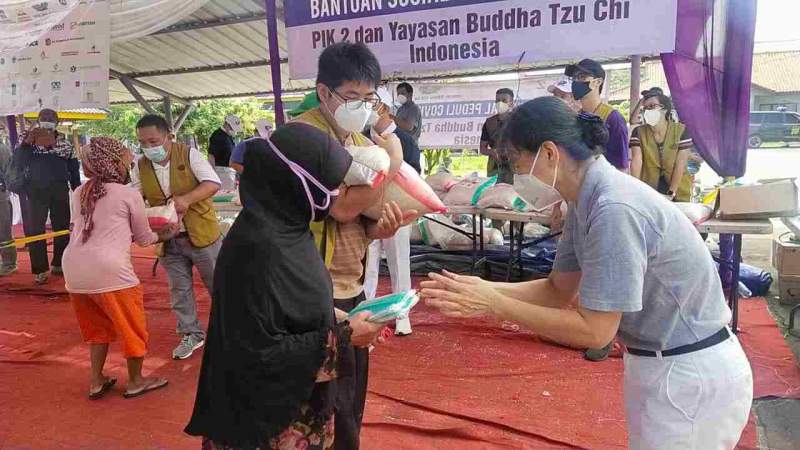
(221, 142)
(563, 90)
(263, 131)
(588, 78)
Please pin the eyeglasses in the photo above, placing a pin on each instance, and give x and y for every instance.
(356, 104)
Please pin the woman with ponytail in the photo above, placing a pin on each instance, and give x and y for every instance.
(107, 217)
(637, 268)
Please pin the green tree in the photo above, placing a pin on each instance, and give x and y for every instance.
(207, 117)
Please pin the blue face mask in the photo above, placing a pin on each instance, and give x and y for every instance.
(156, 154)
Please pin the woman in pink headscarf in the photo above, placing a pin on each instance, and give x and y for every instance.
(107, 216)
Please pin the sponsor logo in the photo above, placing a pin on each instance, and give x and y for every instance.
(2, 61)
(13, 89)
(35, 87)
(48, 41)
(58, 27)
(93, 50)
(3, 15)
(55, 85)
(35, 70)
(72, 53)
(85, 23)
(40, 6)
(56, 68)
(33, 44)
(13, 60)
(43, 55)
(73, 69)
(62, 2)
(77, 83)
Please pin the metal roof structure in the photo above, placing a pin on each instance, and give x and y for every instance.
(220, 51)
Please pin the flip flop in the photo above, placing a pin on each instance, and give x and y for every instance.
(152, 387)
(110, 382)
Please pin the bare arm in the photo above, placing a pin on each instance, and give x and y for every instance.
(681, 160)
(636, 162)
(579, 329)
(237, 167)
(204, 190)
(556, 291)
(354, 200)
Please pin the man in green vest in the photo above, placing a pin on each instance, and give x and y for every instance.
(173, 172)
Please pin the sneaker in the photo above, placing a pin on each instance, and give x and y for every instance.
(189, 343)
(402, 327)
(598, 354)
(57, 270)
(41, 278)
(7, 270)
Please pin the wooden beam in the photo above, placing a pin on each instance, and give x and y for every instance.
(168, 111)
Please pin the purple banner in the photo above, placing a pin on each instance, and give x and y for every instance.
(306, 12)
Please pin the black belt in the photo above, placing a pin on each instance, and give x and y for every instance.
(720, 336)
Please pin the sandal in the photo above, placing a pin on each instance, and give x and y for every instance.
(157, 384)
(109, 383)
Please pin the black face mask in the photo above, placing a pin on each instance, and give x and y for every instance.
(580, 89)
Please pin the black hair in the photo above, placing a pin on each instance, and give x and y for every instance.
(407, 87)
(665, 101)
(505, 91)
(154, 120)
(345, 61)
(550, 119)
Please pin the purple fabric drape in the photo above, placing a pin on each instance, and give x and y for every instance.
(709, 78)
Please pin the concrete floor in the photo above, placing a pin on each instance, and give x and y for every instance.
(778, 419)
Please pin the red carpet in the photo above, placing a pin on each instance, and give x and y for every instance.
(465, 385)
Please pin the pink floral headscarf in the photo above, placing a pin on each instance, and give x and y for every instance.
(101, 162)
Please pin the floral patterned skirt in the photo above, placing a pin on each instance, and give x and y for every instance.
(310, 432)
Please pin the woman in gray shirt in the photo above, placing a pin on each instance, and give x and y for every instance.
(637, 268)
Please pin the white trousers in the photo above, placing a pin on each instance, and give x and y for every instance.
(697, 401)
(398, 258)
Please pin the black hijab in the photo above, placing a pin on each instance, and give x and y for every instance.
(272, 300)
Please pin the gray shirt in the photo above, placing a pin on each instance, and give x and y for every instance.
(639, 255)
(410, 112)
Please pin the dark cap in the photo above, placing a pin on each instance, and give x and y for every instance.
(587, 66)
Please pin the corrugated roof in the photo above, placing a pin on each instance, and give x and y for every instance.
(778, 72)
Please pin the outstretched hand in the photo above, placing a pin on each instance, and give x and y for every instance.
(457, 295)
(392, 219)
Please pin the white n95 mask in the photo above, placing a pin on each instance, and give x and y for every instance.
(539, 195)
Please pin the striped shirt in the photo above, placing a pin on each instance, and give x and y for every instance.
(685, 142)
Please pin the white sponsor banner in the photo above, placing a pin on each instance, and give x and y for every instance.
(453, 114)
(410, 36)
(64, 68)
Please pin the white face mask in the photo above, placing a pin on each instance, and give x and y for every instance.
(352, 120)
(47, 125)
(539, 195)
(653, 117)
(502, 107)
(401, 99)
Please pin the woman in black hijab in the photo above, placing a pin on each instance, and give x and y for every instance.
(269, 367)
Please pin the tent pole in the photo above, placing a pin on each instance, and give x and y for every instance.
(168, 112)
(274, 58)
(13, 136)
(636, 79)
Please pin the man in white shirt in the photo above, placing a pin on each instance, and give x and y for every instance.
(173, 172)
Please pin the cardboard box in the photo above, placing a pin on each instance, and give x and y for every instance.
(789, 287)
(786, 257)
(768, 198)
